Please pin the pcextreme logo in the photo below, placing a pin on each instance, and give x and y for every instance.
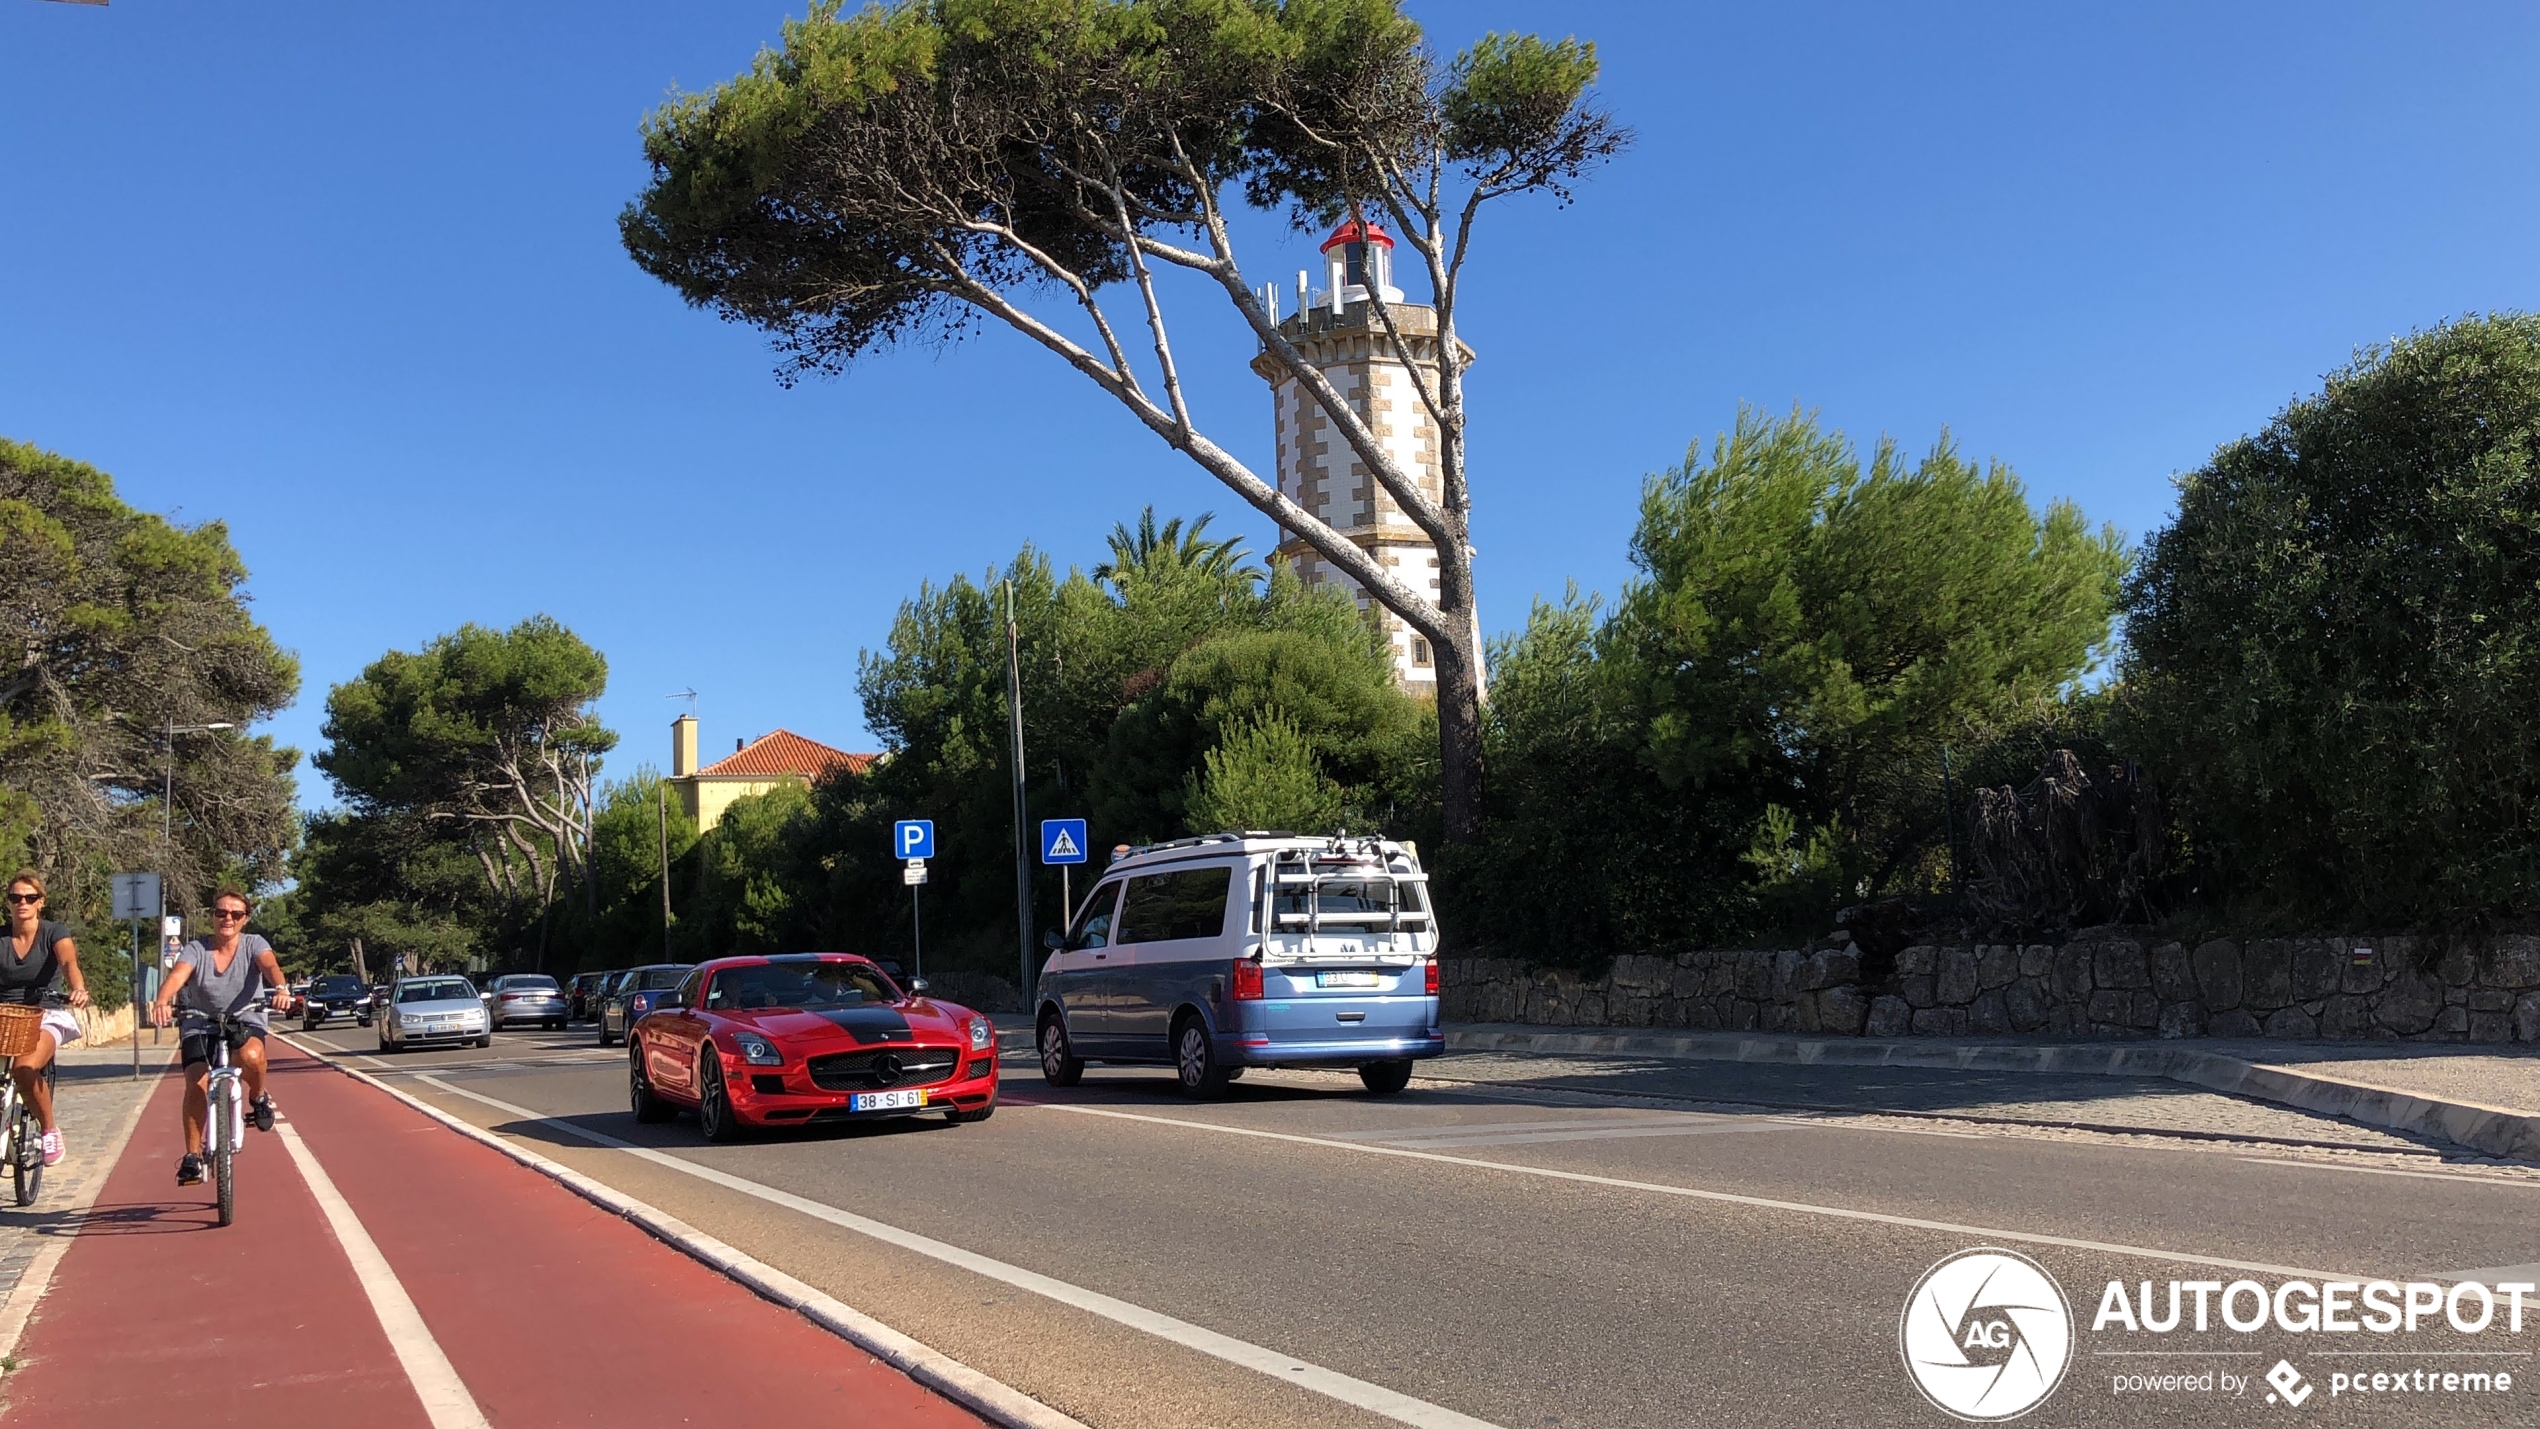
(1986, 1334)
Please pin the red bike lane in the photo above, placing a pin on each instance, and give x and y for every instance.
(551, 1310)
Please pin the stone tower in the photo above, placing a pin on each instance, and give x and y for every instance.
(1337, 330)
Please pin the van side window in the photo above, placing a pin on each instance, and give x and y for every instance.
(1163, 907)
(1093, 925)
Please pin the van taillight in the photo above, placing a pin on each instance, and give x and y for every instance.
(1247, 982)
(1429, 977)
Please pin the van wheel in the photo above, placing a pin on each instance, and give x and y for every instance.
(1195, 1060)
(1060, 1067)
(1386, 1078)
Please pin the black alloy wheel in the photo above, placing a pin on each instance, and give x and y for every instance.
(714, 1101)
(1195, 1060)
(641, 1099)
(1386, 1078)
(1060, 1066)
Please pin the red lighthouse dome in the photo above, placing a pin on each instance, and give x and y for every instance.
(1359, 256)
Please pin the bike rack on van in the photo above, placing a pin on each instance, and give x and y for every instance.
(1294, 869)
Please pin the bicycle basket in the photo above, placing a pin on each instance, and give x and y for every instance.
(19, 1026)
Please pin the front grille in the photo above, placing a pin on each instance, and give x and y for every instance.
(978, 1069)
(863, 1071)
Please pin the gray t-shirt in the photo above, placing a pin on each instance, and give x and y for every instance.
(237, 992)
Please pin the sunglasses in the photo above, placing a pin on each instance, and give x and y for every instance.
(26, 897)
(229, 913)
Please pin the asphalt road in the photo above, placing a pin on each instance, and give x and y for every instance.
(1602, 1253)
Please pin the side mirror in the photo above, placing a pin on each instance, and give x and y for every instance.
(918, 986)
(1054, 940)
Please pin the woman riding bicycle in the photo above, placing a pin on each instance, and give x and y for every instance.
(38, 952)
(215, 976)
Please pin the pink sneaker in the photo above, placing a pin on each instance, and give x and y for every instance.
(52, 1144)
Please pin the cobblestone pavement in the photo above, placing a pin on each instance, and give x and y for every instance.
(2118, 1104)
(93, 1093)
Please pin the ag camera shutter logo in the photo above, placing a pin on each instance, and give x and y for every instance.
(1986, 1335)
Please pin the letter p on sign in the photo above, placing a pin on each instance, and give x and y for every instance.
(913, 838)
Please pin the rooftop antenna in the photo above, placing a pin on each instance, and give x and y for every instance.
(689, 695)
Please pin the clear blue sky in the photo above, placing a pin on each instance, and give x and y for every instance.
(347, 277)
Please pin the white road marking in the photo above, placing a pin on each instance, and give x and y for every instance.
(446, 1401)
(2495, 1274)
(313, 1037)
(1287, 1369)
(2391, 1171)
(1724, 1197)
(1483, 1128)
(1525, 1138)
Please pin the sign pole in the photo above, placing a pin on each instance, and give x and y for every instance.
(135, 999)
(1022, 835)
(916, 934)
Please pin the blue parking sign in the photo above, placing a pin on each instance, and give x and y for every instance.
(1062, 840)
(913, 838)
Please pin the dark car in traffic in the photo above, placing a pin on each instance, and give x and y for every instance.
(335, 995)
(582, 995)
(636, 992)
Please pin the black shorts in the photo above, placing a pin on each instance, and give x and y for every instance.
(196, 1046)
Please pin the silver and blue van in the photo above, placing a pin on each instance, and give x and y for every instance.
(1214, 954)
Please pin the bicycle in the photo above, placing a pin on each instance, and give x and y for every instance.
(21, 1131)
(224, 1115)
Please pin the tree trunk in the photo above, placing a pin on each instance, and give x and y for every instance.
(1460, 770)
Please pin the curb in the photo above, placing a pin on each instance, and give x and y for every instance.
(992, 1399)
(2489, 1130)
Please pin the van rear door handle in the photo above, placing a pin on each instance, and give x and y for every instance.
(1351, 1016)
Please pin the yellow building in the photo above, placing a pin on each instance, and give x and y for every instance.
(754, 767)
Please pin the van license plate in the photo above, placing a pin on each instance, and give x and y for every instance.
(1347, 980)
(886, 1101)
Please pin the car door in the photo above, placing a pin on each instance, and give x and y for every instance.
(1172, 934)
(1077, 976)
(672, 1036)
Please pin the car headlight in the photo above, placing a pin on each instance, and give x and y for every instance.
(759, 1052)
(980, 1034)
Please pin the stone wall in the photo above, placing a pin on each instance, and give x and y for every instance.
(2109, 982)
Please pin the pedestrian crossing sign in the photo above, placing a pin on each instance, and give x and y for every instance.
(1062, 840)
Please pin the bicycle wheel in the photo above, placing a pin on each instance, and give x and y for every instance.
(222, 1155)
(27, 1163)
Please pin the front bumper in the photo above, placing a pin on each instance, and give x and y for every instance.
(438, 1036)
(785, 1096)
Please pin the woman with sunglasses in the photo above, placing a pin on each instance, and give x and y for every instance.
(38, 952)
(227, 972)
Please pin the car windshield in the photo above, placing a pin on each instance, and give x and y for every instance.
(533, 982)
(656, 979)
(437, 990)
(339, 987)
(811, 987)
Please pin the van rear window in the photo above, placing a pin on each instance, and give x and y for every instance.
(1162, 907)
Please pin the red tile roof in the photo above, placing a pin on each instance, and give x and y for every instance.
(773, 756)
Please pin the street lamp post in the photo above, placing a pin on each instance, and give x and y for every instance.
(167, 855)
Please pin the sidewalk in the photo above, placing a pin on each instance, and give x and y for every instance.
(94, 1099)
(2474, 1097)
(522, 1304)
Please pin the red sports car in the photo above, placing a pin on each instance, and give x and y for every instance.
(804, 1037)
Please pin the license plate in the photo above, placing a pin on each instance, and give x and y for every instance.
(887, 1101)
(1347, 980)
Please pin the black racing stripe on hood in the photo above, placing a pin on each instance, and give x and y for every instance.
(869, 1025)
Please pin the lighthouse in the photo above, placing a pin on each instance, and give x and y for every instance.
(1337, 330)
